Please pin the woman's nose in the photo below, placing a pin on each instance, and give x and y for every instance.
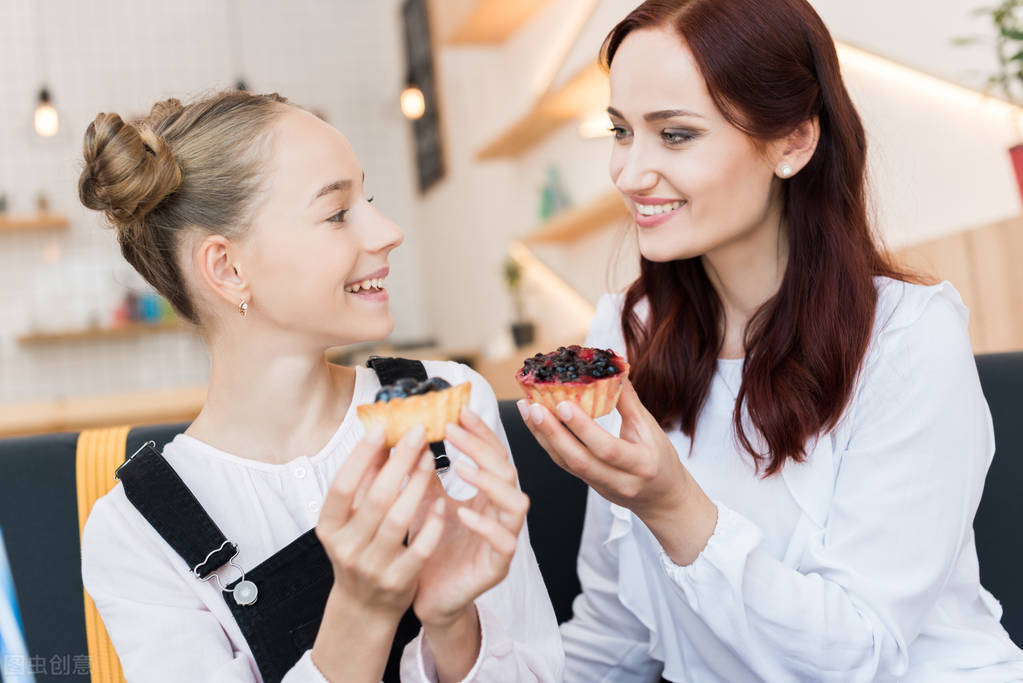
(382, 234)
(634, 175)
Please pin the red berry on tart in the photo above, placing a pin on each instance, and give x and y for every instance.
(590, 378)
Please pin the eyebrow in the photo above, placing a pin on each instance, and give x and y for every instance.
(657, 115)
(336, 186)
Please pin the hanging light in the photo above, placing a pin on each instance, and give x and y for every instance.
(413, 104)
(47, 122)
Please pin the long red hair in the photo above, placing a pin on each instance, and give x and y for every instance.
(769, 66)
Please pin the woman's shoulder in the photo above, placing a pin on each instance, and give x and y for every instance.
(910, 309)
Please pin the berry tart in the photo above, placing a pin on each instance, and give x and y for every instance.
(591, 378)
(400, 406)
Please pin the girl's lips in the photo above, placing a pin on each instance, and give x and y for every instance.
(650, 221)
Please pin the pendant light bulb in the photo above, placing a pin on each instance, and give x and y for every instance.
(413, 104)
(47, 122)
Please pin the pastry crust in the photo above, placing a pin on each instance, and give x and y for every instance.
(434, 410)
(595, 396)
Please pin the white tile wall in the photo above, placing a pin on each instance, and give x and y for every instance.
(341, 57)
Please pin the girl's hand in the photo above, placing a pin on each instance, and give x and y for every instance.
(640, 470)
(476, 550)
(367, 516)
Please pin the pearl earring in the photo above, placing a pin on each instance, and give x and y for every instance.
(243, 308)
(785, 171)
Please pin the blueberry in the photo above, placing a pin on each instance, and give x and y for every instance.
(383, 395)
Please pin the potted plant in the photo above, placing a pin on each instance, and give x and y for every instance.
(1007, 19)
(522, 330)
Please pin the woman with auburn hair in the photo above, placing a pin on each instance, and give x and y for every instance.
(787, 488)
(276, 540)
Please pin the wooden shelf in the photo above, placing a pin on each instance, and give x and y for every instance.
(581, 220)
(74, 414)
(584, 93)
(42, 221)
(101, 333)
(490, 22)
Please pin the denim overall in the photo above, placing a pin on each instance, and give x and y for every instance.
(279, 604)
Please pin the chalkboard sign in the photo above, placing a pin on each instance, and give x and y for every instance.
(419, 62)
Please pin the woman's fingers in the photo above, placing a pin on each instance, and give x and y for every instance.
(567, 451)
(408, 564)
(364, 459)
(473, 423)
(512, 504)
(597, 440)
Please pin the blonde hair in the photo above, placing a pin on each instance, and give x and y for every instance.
(189, 166)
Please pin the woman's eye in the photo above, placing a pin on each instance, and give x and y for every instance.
(338, 217)
(619, 132)
(676, 137)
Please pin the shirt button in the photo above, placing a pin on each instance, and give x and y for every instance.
(299, 472)
(314, 506)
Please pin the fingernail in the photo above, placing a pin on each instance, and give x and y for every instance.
(467, 414)
(438, 507)
(523, 409)
(464, 470)
(565, 411)
(376, 434)
(426, 462)
(416, 437)
(536, 413)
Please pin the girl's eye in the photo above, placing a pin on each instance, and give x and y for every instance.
(676, 137)
(619, 132)
(338, 217)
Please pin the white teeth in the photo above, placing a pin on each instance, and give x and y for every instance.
(654, 209)
(377, 283)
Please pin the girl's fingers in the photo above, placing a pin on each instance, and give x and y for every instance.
(482, 453)
(364, 459)
(475, 424)
(511, 503)
(410, 562)
(396, 523)
(385, 488)
(497, 537)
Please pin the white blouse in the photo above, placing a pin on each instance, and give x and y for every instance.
(168, 626)
(857, 565)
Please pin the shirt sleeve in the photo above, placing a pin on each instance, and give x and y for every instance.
(159, 626)
(519, 632)
(906, 491)
(604, 641)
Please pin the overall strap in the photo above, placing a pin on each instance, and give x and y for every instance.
(156, 491)
(389, 371)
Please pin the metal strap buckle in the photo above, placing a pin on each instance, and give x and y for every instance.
(245, 592)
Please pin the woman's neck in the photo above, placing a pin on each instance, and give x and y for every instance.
(745, 274)
(269, 405)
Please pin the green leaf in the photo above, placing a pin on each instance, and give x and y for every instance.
(965, 41)
(1011, 33)
(1018, 57)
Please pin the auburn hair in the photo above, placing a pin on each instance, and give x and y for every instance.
(769, 66)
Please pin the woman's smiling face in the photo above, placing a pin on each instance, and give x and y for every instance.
(694, 181)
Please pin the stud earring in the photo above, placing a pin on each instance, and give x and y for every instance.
(785, 171)
(243, 308)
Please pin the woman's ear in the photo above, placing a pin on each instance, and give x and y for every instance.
(796, 149)
(216, 259)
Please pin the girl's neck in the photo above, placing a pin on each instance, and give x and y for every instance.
(269, 405)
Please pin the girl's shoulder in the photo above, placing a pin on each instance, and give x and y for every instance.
(909, 308)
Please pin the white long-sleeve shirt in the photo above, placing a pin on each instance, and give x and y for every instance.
(856, 565)
(169, 627)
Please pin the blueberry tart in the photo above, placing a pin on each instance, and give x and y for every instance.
(401, 406)
(590, 378)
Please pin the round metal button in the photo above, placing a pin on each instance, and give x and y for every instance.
(245, 593)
